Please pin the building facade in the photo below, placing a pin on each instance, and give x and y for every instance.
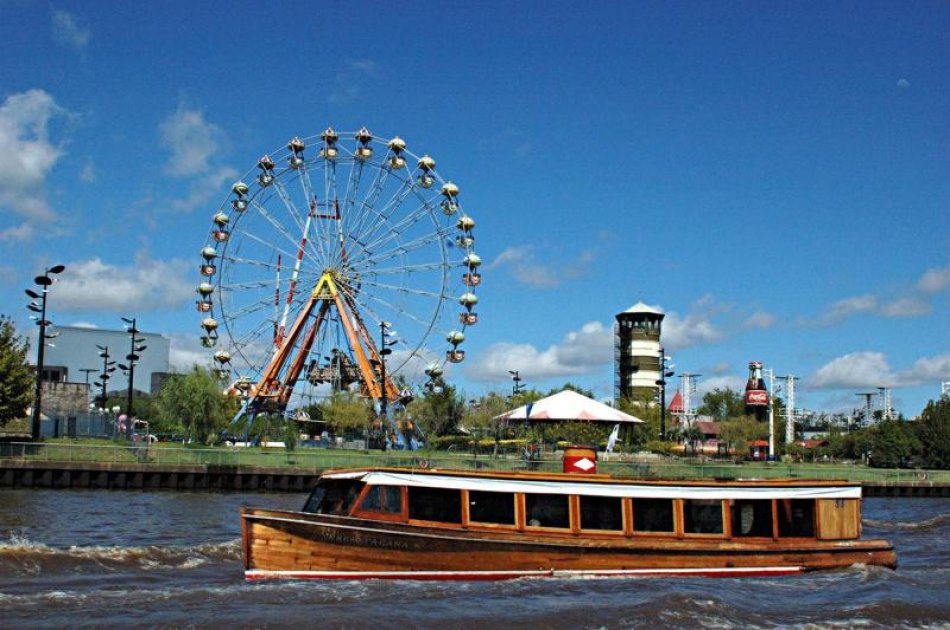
(637, 351)
(74, 357)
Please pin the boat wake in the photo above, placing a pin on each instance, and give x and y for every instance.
(21, 556)
(934, 522)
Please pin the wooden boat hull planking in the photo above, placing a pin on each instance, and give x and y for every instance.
(295, 545)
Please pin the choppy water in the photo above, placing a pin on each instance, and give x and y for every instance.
(81, 558)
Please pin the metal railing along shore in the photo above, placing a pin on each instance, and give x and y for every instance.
(318, 459)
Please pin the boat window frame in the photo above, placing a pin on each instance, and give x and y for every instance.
(401, 516)
(445, 524)
(622, 531)
(814, 520)
(468, 521)
(346, 508)
(665, 533)
(723, 515)
(569, 528)
(773, 529)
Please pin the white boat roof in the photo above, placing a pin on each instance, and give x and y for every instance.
(587, 488)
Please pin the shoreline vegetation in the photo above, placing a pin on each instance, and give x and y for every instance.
(314, 460)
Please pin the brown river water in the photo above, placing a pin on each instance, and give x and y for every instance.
(98, 558)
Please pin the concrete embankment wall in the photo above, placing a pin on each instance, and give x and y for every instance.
(126, 476)
(149, 477)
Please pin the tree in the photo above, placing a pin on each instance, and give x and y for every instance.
(345, 411)
(571, 386)
(440, 411)
(722, 404)
(893, 444)
(195, 402)
(737, 433)
(16, 376)
(934, 433)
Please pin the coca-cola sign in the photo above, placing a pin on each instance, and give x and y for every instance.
(756, 397)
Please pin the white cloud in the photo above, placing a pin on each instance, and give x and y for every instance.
(192, 141)
(88, 173)
(186, 351)
(201, 191)
(68, 32)
(855, 370)
(760, 319)
(695, 329)
(842, 309)
(139, 286)
(935, 280)
(580, 352)
(351, 80)
(871, 370)
(905, 307)
(27, 156)
(526, 269)
(903, 83)
(934, 369)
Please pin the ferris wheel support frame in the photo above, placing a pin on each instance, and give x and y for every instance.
(326, 292)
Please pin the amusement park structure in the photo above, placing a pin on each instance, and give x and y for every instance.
(324, 245)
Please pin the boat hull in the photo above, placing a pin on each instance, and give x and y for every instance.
(296, 545)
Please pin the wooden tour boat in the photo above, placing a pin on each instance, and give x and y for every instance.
(467, 525)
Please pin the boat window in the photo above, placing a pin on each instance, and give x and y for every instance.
(796, 518)
(333, 496)
(653, 515)
(435, 504)
(702, 516)
(383, 499)
(602, 513)
(547, 510)
(752, 517)
(491, 507)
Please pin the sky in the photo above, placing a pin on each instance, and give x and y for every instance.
(774, 176)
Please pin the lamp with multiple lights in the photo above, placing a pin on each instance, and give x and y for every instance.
(38, 305)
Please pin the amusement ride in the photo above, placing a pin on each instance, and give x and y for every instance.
(336, 264)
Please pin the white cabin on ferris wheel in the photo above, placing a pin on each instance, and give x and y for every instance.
(637, 351)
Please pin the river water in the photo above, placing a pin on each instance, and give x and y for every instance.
(94, 558)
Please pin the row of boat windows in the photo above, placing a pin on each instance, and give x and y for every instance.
(749, 517)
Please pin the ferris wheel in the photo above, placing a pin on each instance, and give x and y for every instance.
(339, 262)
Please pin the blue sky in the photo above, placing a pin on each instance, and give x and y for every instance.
(774, 176)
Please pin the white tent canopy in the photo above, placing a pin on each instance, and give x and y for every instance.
(568, 405)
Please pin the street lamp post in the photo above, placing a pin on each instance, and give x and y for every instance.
(665, 373)
(137, 345)
(518, 385)
(108, 367)
(45, 282)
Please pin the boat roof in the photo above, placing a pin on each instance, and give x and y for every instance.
(601, 485)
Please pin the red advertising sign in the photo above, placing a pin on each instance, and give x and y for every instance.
(757, 397)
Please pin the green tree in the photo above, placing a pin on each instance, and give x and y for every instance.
(16, 376)
(893, 444)
(738, 433)
(571, 386)
(195, 402)
(346, 412)
(440, 411)
(722, 404)
(934, 433)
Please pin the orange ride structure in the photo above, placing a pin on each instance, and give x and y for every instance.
(335, 237)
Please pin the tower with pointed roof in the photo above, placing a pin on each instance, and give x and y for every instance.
(637, 351)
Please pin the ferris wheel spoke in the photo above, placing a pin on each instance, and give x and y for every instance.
(292, 211)
(384, 213)
(366, 210)
(283, 231)
(393, 271)
(403, 249)
(407, 290)
(392, 309)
